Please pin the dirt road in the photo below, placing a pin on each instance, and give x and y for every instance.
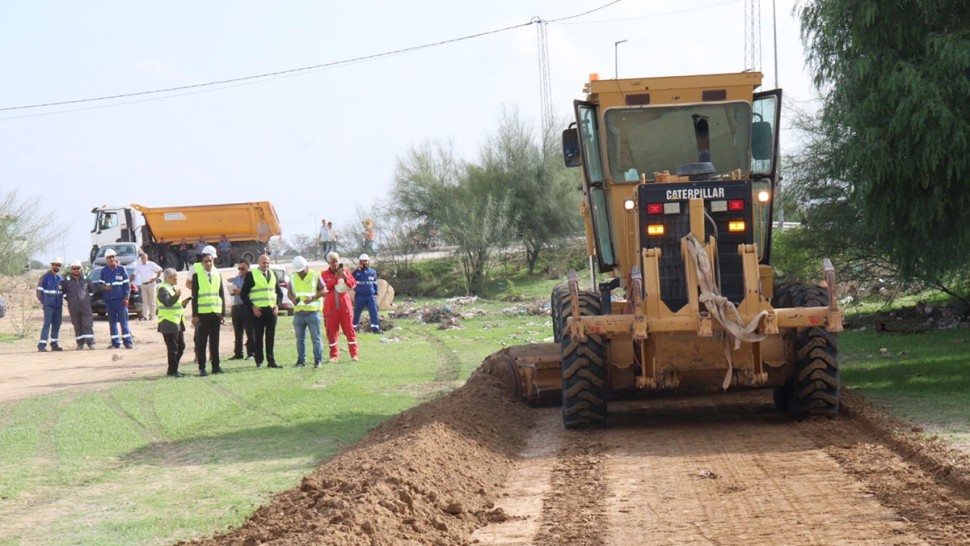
(475, 467)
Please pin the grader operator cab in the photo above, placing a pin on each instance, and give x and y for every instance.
(678, 179)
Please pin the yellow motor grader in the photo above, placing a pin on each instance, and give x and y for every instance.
(679, 176)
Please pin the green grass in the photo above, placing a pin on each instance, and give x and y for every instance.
(924, 378)
(157, 460)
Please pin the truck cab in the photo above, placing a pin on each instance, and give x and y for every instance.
(113, 225)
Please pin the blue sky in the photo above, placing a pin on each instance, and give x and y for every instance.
(323, 143)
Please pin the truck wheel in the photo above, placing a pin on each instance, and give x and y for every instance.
(249, 253)
(584, 380)
(815, 377)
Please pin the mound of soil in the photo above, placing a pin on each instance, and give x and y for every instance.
(428, 476)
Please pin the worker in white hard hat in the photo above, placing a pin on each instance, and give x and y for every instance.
(337, 309)
(77, 291)
(208, 310)
(51, 297)
(117, 289)
(365, 295)
(306, 291)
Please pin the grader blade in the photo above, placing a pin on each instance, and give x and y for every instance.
(535, 374)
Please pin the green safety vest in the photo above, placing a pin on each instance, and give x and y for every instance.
(263, 293)
(209, 300)
(304, 288)
(174, 313)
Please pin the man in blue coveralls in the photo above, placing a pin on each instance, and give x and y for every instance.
(116, 291)
(365, 294)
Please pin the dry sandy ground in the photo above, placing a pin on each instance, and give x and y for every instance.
(476, 467)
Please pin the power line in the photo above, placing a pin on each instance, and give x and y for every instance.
(289, 72)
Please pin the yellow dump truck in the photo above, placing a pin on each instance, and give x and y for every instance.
(159, 230)
(679, 175)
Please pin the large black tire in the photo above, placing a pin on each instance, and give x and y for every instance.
(584, 373)
(250, 253)
(558, 293)
(814, 385)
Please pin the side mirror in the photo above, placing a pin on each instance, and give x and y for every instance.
(570, 148)
(762, 141)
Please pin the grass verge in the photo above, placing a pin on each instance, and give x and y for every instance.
(154, 461)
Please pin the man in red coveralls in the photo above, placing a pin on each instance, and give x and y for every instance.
(338, 310)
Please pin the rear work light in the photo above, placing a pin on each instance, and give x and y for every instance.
(736, 226)
(655, 229)
(655, 208)
(735, 205)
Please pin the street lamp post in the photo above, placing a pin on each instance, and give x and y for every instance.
(616, 65)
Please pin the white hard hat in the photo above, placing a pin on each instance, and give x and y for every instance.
(110, 252)
(210, 250)
(364, 258)
(76, 263)
(299, 263)
(57, 261)
(341, 286)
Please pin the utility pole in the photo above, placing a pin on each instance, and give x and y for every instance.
(616, 63)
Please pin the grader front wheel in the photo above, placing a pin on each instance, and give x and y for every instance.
(584, 379)
(815, 381)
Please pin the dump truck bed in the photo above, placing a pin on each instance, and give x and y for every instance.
(256, 221)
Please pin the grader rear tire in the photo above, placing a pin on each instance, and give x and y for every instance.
(558, 293)
(815, 379)
(584, 375)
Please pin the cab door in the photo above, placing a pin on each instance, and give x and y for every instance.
(587, 123)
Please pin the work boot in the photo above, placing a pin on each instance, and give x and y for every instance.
(91, 346)
(202, 372)
(56, 347)
(273, 365)
(42, 347)
(175, 374)
(80, 346)
(216, 369)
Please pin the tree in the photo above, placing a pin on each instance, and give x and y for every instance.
(542, 200)
(467, 204)
(302, 244)
(24, 227)
(895, 83)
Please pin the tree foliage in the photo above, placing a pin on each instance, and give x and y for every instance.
(892, 137)
(24, 228)
(517, 192)
(463, 201)
(541, 193)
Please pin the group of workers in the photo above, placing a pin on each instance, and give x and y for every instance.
(53, 289)
(256, 295)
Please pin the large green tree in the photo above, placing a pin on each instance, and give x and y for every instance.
(895, 80)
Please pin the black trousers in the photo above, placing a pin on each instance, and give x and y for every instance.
(175, 346)
(242, 321)
(264, 325)
(207, 333)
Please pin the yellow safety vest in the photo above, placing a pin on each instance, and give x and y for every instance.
(174, 313)
(263, 293)
(208, 300)
(304, 288)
